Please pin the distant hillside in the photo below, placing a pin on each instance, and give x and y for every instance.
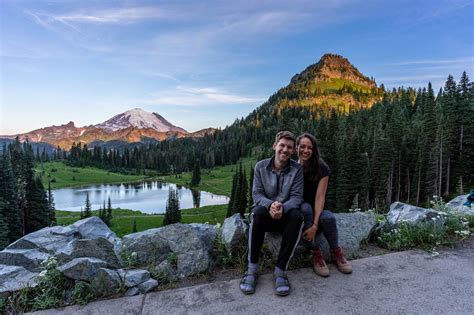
(332, 83)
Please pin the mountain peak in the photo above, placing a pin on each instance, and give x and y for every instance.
(141, 119)
(333, 66)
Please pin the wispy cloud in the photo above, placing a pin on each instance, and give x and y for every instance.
(462, 60)
(412, 78)
(199, 96)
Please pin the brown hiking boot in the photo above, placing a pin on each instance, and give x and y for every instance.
(340, 260)
(319, 265)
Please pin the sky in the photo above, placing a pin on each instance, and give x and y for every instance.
(205, 63)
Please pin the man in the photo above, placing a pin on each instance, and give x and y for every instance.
(277, 195)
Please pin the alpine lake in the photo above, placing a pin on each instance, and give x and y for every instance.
(147, 197)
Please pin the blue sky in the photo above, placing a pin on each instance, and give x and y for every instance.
(204, 63)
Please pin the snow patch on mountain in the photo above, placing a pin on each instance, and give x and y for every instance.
(141, 119)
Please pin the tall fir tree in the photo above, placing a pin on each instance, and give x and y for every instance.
(51, 205)
(87, 207)
(172, 214)
(8, 193)
(196, 177)
(109, 214)
(4, 237)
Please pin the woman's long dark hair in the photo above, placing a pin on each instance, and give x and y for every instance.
(312, 170)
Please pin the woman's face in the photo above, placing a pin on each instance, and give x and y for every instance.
(305, 149)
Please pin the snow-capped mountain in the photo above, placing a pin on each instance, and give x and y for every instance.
(133, 125)
(140, 119)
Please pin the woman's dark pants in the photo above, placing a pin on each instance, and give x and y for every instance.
(327, 226)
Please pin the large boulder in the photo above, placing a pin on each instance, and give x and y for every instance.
(14, 278)
(30, 259)
(94, 227)
(404, 213)
(187, 246)
(53, 240)
(84, 268)
(97, 248)
(149, 246)
(233, 232)
(457, 205)
(206, 232)
(353, 229)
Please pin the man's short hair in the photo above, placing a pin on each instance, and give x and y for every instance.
(285, 135)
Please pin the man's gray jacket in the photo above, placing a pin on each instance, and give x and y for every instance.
(287, 187)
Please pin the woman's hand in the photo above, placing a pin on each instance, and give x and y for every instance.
(310, 232)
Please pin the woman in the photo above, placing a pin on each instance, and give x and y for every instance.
(317, 220)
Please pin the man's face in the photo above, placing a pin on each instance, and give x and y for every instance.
(284, 148)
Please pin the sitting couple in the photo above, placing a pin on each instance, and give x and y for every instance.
(289, 198)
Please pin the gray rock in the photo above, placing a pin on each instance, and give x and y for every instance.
(94, 227)
(132, 291)
(106, 282)
(353, 229)
(149, 246)
(135, 276)
(206, 232)
(84, 268)
(147, 286)
(402, 212)
(52, 240)
(14, 278)
(69, 230)
(166, 271)
(233, 231)
(30, 259)
(180, 241)
(457, 206)
(98, 248)
(186, 245)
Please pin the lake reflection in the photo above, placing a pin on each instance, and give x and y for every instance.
(148, 197)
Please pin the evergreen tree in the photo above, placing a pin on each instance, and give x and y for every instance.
(51, 207)
(37, 205)
(109, 215)
(8, 194)
(230, 206)
(196, 179)
(172, 214)
(4, 237)
(87, 207)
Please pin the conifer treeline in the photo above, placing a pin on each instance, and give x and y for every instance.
(24, 204)
(411, 145)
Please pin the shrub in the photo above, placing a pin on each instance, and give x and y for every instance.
(446, 229)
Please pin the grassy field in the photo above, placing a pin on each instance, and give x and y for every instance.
(63, 176)
(122, 221)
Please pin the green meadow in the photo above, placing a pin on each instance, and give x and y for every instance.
(122, 221)
(62, 175)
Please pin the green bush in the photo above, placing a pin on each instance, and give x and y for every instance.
(446, 229)
(82, 293)
(48, 293)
